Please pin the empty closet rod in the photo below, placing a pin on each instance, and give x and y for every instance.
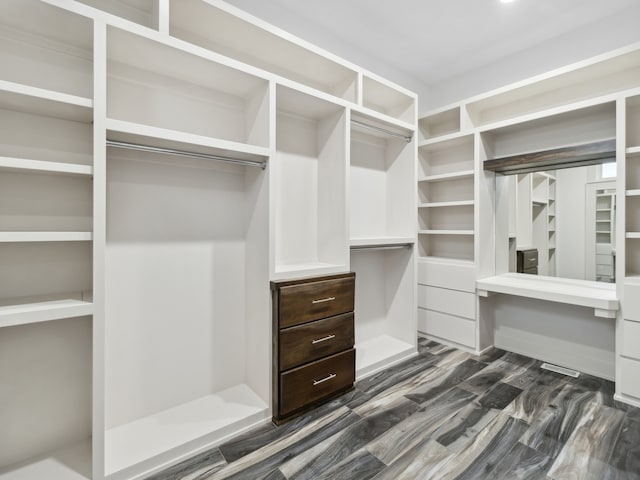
(184, 153)
(407, 138)
(382, 247)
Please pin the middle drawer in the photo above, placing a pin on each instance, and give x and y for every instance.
(314, 340)
(452, 302)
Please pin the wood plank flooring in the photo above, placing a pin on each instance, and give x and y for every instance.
(445, 414)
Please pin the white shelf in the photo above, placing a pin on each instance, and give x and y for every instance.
(27, 165)
(448, 176)
(123, 131)
(214, 417)
(20, 312)
(601, 297)
(632, 279)
(380, 351)
(19, 237)
(632, 235)
(633, 151)
(447, 141)
(460, 203)
(24, 98)
(633, 193)
(381, 241)
(446, 232)
(538, 202)
(69, 463)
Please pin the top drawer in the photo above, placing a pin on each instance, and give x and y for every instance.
(454, 275)
(304, 302)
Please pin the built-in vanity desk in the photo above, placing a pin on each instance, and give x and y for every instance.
(599, 296)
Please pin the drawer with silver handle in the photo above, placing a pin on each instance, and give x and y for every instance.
(313, 340)
(314, 381)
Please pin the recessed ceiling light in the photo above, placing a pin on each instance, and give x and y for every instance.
(507, 1)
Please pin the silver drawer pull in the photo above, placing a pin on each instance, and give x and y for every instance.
(323, 339)
(322, 300)
(318, 382)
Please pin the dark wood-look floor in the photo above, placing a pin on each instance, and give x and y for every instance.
(444, 415)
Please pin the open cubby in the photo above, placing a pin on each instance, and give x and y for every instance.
(385, 99)
(142, 12)
(440, 123)
(43, 271)
(384, 307)
(446, 218)
(38, 142)
(248, 41)
(156, 85)
(31, 202)
(380, 184)
(455, 190)
(309, 185)
(632, 214)
(632, 257)
(186, 348)
(451, 246)
(633, 123)
(578, 84)
(45, 47)
(446, 158)
(45, 372)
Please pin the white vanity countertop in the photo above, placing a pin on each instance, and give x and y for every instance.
(600, 296)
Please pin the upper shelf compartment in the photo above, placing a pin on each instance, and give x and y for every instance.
(223, 29)
(388, 100)
(155, 85)
(573, 84)
(437, 124)
(142, 12)
(45, 47)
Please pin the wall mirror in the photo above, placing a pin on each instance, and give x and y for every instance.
(558, 198)
(562, 222)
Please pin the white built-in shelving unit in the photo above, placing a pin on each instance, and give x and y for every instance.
(629, 333)
(155, 175)
(46, 225)
(446, 228)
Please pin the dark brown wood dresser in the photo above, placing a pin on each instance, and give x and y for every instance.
(313, 342)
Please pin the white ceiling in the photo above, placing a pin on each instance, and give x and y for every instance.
(434, 40)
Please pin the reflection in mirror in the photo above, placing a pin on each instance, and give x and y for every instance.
(562, 222)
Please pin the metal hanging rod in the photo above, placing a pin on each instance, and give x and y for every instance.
(407, 138)
(382, 247)
(184, 153)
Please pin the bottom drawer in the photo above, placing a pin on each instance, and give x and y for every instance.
(310, 383)
(630, 377)
(454, 329)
